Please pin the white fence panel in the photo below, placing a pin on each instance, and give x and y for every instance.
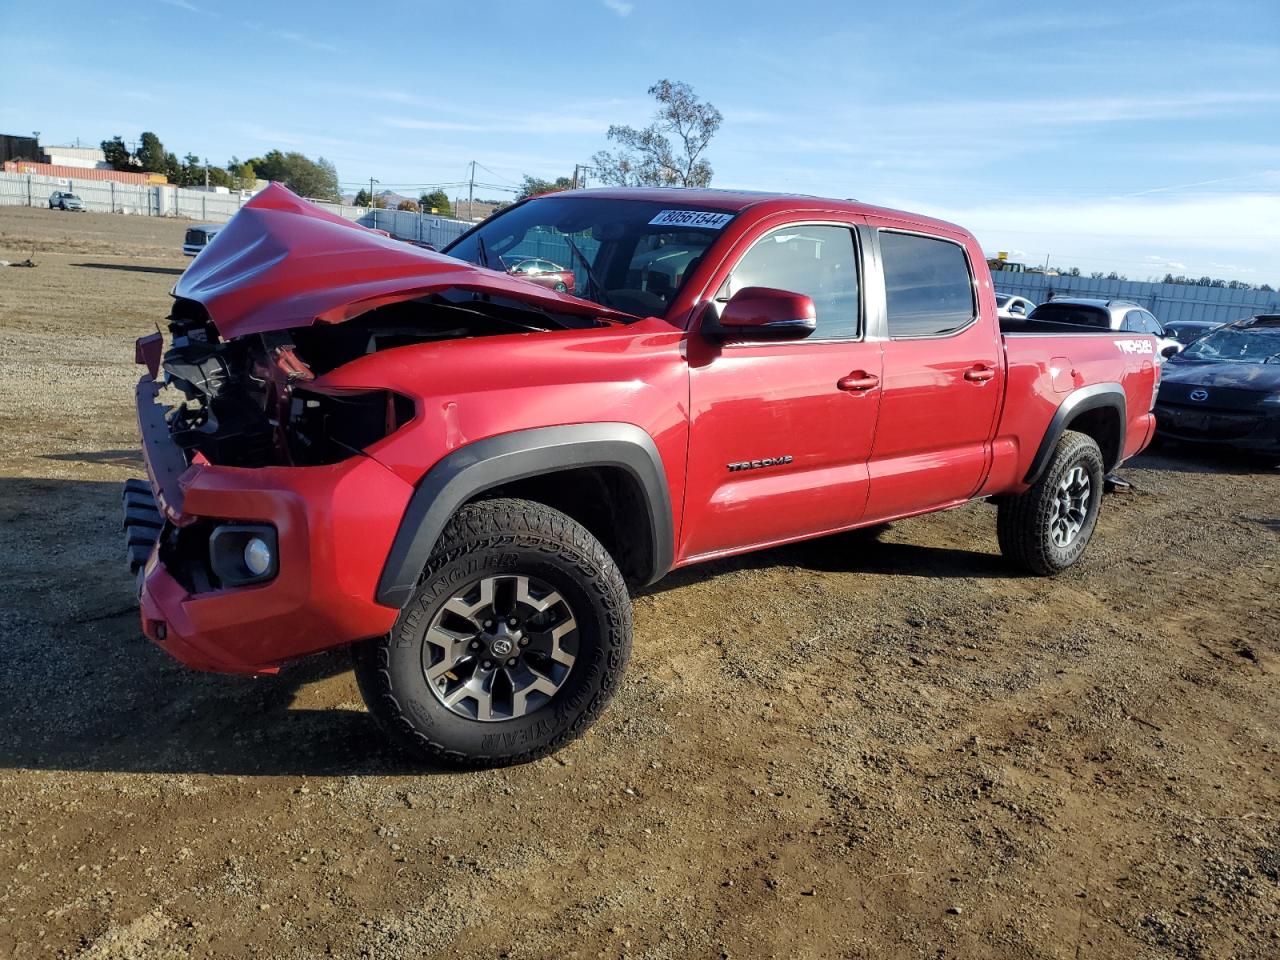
(108, 196)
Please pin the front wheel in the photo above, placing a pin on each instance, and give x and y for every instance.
(513, 643)
(1047, 528)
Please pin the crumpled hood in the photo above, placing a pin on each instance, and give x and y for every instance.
(282, 262)
(1263, 377)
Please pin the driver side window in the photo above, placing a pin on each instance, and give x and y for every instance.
(818, 261)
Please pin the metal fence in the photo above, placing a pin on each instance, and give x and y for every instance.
(1168, 301)
(108, 196)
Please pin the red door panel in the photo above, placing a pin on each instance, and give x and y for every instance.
(939, 399)
(750, 403)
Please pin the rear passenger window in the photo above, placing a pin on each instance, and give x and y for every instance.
(818, 261)
(928, 287)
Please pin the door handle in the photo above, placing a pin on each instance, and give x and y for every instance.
(858, 381)
(979, 374)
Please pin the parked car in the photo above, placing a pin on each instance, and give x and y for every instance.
(1184, 331)
(61, 200)
(1011, 307)
(1224, 388)
(353, 441)
(545, 273)
(1117, 315)
(198, 238)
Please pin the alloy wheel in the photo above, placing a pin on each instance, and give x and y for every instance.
(500, 648)
(1070, 506)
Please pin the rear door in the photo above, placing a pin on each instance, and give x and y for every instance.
(942, 379)
(780, 432)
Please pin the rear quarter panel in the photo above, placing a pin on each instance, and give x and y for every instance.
(1042, 372)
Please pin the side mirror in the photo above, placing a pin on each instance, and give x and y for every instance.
(763, 313)
(1170, 350)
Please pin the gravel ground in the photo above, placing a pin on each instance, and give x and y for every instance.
(884, 748)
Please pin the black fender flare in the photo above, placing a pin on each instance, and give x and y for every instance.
(1079, 401)
(494, 461)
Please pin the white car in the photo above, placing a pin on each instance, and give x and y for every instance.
(1010, 307)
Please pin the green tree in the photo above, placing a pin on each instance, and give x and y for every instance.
(242, 175)
(117, 154)
(648, 157)
(306, 177)
(191, 173)
(533, 186)
(437, 202)
(365, 199)
(218, 177)
(151, 156)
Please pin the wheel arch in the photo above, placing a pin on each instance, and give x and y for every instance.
(604, 459)
(1098, 410)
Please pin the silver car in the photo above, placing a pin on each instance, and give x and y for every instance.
(61, 200)
(1122, 316)
(1012, 307)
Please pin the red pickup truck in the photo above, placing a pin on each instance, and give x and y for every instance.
(354, 441)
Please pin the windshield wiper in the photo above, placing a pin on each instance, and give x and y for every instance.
(592, 283)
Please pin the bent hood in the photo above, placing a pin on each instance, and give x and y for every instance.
(1261, 377)
(283, 262)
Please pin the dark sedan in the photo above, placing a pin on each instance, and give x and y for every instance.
(1224, 388)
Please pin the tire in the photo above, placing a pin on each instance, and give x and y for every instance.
(529, 555)
(1047, 528)
(562, 287)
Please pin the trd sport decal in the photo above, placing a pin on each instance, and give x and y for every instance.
(757, 464)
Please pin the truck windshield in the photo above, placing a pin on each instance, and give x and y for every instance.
(631, 255)
(1237, 346)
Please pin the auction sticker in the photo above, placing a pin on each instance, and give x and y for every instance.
(691, 218)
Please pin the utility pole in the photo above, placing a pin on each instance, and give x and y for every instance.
(371, 183)
(471, 190)
(206, 174)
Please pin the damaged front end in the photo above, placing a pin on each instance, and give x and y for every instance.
(253, 402)
(267, 515)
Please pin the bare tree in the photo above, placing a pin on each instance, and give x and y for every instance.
(648, 158)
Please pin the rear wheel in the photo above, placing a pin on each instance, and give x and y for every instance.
(512, 645)
(1047, 528)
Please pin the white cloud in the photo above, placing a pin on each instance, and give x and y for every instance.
(1235, 236)
(292, 36)
(620, 7)
(184, 5)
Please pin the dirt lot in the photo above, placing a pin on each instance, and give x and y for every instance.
(849, 748)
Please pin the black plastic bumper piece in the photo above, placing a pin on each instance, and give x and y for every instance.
(142, 524)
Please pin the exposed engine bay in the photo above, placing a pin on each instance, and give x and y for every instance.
(251, 401)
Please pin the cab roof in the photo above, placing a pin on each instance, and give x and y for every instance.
(736, 201)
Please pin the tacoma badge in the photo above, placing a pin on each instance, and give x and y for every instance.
(757, 464)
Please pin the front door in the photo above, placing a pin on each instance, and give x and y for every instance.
(942, 381)
(780, 432)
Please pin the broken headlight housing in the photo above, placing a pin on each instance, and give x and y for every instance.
(326, 427)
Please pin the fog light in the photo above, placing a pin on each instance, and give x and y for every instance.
(257, 556)
(241, 554)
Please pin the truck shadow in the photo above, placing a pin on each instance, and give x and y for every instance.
(1188, 458)
(83, 690)
(856, 552)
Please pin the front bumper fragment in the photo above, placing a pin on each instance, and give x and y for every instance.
(335, 525)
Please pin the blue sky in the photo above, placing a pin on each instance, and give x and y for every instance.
(1139, 137)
